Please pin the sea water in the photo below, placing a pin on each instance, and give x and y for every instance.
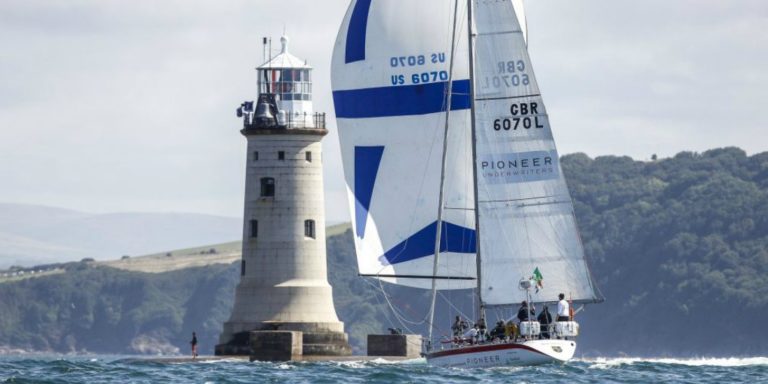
(112, 369)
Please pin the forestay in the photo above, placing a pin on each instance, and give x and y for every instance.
(390, 81)
(526, 218)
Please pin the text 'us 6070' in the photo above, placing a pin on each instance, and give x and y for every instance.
(420, 65)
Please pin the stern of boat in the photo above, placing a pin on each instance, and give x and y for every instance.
(556, 349)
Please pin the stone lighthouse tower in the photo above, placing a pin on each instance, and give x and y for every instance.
(283, 277)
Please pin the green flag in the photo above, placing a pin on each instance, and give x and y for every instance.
(538, 278)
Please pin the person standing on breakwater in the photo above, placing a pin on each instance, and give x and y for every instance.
(193, 342)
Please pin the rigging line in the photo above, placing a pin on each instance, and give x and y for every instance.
(378, 301)
(450, 305)
(400, 318)
(398, 315)
(473, 126)
(522, 199)
(499, 33)
(523, 205)
(380, 290)
(425, 277)
(510, 97)
(440, 200)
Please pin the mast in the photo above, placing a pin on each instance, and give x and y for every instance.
(481, 307)
(439, 230)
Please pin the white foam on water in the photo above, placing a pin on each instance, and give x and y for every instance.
(354, 364)
(416, 361)
(221, 361)
(605, 363)
(381, 361)
(360, 364)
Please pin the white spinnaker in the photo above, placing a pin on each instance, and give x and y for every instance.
(389, 60)
(526, 218)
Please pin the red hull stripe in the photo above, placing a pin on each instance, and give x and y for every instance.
(482, 348)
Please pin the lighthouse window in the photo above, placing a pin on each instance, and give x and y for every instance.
(254, 228)
(242, 267)
(281, 155)
(309, 228)
(256, 156)
(267, 187)
(308, 156)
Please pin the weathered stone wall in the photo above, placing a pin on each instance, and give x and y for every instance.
(284, 285)
(394, 345)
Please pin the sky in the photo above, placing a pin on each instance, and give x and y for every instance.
(129, 106)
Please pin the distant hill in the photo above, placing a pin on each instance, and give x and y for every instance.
(678, 246)
(31, 234)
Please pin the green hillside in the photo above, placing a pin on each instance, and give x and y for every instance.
(678, 246)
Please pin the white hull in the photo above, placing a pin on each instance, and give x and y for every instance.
(532, 352)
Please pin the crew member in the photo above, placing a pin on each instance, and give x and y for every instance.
(545, 319)
(525, 313)
(510, 331)
(458, 326)
(471, 335)
(563, 311)
(498, 331)
(481, 328)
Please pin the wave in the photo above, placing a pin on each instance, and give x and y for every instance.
(603, 363)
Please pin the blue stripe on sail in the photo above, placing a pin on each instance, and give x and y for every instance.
(403, 100)
(358, 27)
(367, 161)
(453, 238)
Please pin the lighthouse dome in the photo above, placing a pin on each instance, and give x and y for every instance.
(285, 59)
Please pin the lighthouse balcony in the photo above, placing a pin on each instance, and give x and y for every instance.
(304, 120)
(267, 116)
(287, 123)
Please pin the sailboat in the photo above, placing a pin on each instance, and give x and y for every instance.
(442, 126)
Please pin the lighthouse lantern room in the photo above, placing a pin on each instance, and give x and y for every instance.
(285, 95)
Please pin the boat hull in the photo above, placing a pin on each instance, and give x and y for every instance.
(532, 352)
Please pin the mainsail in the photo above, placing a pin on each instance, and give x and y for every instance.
(526, 217)
(519, 6)
(390, 80)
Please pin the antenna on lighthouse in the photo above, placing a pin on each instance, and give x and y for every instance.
(264, 50)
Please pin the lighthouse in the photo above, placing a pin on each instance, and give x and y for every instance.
(283, 273)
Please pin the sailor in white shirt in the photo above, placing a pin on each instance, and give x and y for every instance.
(563, 309)
(471, 335)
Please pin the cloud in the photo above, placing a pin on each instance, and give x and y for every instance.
(652, 76)
(119, 106)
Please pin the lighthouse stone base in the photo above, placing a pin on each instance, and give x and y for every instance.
(317, 339)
